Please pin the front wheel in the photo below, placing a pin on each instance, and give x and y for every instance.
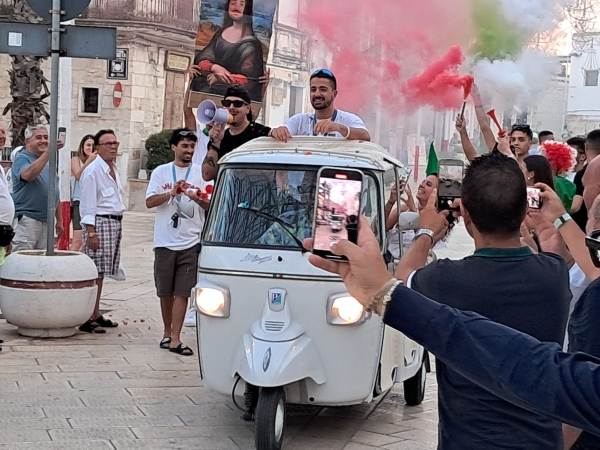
(270, 419)
(414, 388)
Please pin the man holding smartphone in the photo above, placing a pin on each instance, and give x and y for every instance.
(503, 281)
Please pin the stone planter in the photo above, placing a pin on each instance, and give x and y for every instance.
(48, 296)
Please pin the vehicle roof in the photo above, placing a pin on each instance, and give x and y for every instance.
(318, 151)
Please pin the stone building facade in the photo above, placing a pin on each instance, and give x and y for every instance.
(156, 39)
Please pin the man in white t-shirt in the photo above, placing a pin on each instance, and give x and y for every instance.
(175, 190)
(326, 121)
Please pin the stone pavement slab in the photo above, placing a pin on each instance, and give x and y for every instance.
(119, 391)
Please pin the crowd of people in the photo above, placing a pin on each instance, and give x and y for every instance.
(531, 279)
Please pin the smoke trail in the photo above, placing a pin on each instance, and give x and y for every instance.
(514, 82)
(377, 45)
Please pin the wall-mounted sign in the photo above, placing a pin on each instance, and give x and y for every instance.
(177, 62)
(117, 68)
(117, 94)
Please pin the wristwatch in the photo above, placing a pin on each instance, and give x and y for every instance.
(423, 231)
(562, 220)
(92, 234)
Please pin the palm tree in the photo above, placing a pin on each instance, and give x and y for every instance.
(28, 86)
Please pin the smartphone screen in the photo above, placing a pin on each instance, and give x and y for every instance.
(337, 209)
(450, 182)
(403, 176)
(533, 198)
(62, 134)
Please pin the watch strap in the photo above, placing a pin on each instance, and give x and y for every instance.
(425, 231)
(562, 220)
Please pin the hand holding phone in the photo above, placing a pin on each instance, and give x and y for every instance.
(337, 209)
(62, 134)
(450, 177)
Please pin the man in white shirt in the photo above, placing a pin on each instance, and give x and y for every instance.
(102, 211)
(326, 121)
(175, 190)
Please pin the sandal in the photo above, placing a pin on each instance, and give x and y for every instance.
(106, 323)
(91, 327)
(164, 344)
(182, 350)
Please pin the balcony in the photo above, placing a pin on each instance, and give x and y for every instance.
(177, 14)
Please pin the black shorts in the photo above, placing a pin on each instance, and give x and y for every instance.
(75, 216)
(175, 271)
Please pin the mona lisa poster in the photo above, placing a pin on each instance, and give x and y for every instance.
(232, 46)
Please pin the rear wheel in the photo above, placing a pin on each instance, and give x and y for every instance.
(269, 419)
(414, 388)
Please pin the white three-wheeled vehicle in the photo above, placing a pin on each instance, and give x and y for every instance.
(273, 329)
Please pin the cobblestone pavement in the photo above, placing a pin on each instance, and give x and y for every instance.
(119, 391)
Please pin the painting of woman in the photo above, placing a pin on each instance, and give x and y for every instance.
(234, 55)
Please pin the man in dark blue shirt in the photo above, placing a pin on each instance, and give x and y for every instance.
(517, 368)
(584, 336)
(506, 283)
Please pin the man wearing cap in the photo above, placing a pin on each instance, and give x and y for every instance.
(241, 130)
(327, 120)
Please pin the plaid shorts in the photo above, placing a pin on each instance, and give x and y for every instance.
(108, 256)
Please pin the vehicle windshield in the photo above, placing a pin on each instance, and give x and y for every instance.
(258, 207)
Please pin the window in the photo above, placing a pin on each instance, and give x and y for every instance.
(591, 77)
(90, 100)
(273, 208)
(296, 100)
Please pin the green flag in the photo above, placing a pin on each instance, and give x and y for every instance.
(433, 165)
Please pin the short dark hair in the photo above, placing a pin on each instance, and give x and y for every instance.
(523, 129)
(541, 168)
(494, 193)
(101, 133)
(578, 143)
(543, 134)
(182, 134)
(592, 142)
(327, 75)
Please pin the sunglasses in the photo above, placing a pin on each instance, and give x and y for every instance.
(521, 127)
(326, 72)
(187, 133)
(235, 103)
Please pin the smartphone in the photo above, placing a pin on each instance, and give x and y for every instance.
(451, 173)
(62, 134)
(403, 177)
(338, 205)
(533, 198)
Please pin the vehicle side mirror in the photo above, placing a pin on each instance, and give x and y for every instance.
(408, 221)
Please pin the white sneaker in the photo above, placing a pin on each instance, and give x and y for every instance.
(190, 318)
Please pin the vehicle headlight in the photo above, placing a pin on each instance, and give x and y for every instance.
(211, 301)
(343, 309)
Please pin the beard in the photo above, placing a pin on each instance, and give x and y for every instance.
(324, 105)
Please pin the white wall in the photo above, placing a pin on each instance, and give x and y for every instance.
(583, 100)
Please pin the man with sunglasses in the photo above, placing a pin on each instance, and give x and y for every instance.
(327, 120)
(173, 191)
(242, 129)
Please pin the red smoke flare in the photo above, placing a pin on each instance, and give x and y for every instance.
(439, 85)
(375, 46)
(468, 87)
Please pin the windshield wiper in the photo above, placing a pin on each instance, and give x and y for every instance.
(246, 207)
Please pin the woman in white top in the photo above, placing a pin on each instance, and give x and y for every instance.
(85, 156)
(424, 191)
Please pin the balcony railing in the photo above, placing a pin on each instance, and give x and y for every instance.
(182, 14)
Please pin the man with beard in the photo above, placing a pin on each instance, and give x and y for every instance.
(241, 130)
(326, 121)
(173, 191)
